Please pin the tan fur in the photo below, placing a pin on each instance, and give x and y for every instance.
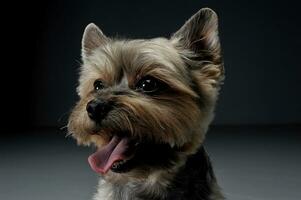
(179, 117)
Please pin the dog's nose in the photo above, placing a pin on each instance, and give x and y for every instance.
(98, 109)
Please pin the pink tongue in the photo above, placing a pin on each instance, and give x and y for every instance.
(102, 160)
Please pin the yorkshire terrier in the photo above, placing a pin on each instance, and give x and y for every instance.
(146, 106)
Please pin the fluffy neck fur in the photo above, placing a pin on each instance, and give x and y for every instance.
(194, 180)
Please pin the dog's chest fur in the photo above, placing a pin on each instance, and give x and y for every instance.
(194, 181)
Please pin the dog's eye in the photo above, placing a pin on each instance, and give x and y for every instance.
(148, 84)
(98, 85)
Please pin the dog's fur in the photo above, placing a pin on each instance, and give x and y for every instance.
(171, 124)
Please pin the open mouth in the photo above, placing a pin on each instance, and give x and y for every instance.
(113, 156)
(122, 154)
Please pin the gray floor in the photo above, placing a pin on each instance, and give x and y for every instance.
(250, 163)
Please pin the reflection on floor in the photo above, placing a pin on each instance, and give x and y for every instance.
(251, 164)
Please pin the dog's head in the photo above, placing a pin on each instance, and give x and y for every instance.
(145, 103)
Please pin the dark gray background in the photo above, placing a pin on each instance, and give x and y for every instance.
(260, 40)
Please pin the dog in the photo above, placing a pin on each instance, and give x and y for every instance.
(146, 105)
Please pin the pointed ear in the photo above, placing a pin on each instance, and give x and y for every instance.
(92, 38)
(199, 36)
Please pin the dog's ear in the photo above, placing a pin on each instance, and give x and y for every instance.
(199, 36)
(92, 38)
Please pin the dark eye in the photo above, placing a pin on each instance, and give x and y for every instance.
(149, 84)
(98, 85)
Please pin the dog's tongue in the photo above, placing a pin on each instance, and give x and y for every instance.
(102, 160)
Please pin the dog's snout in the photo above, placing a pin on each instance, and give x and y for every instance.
(98, 109)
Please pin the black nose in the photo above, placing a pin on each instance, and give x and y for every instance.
(98, 109)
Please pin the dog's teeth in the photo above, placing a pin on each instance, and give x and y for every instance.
(117, 164)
